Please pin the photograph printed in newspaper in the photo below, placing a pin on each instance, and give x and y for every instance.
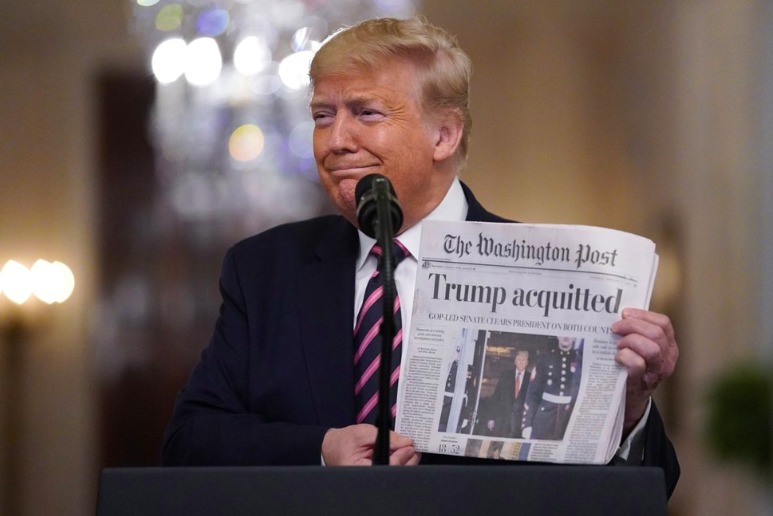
(510, 354)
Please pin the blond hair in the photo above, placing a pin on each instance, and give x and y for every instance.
(442, 67)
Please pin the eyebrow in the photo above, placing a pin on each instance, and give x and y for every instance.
(354, 100)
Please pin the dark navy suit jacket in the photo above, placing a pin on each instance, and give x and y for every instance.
(278, 373)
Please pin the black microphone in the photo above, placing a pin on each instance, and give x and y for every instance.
(367, 191)
(380, 217)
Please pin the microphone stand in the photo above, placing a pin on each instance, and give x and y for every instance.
(384, 235)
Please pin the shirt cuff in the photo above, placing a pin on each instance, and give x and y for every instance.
(635, 440)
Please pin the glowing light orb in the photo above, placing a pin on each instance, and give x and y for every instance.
(168, 61)
(300, 39)
(44, 281)
(251, 56)
(294, 69)
(65, 282)
(169, 17)
(246, 143)
(212, 22)
(203, 62)
(16, 282)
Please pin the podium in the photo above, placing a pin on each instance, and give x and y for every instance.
(382, 490)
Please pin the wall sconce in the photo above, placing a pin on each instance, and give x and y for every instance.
(50, 283)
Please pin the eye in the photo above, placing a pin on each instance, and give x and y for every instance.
(322, 118)
(369, 114)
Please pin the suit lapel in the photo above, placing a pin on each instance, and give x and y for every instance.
(326, 314)
(476, 212)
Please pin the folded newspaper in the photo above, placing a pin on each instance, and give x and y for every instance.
(511, 355)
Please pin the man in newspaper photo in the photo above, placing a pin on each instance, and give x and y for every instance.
(280, 381)
(507, 402)
(553, 389)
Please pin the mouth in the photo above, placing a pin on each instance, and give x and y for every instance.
(344, 171)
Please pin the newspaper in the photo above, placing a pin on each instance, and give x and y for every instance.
(511, 355)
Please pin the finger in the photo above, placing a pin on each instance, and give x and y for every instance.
(402, 456)
(651, 352)
(633, 362)
(660, 320)
(415, 460)
(669, 352)
(641, 382)
(650, 330)
(399, 441)
(639, 386)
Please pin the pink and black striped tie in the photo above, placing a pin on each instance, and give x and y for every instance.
(367, 344)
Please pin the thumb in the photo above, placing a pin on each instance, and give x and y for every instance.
(399, 441)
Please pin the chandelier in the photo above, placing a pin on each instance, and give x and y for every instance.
(231, 124)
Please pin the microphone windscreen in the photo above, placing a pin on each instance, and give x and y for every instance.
(365, 184)
(365, 194)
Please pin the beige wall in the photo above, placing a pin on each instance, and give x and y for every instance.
(634, 114)
(646, 116)
(50, 53)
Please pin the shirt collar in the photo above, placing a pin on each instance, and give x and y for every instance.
(453, 207)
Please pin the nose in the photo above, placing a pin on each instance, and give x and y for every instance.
(343, 136)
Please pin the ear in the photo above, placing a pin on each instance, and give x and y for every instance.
(448, 135)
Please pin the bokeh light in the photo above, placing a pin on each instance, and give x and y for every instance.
(212, 22)
(300, 39)
(249, 66)
(49, 282)
(306, 38)
(168, 62)
(251, 56)
(294, 69)
(16, 282)
(246, 143)
(169, 17)
(65, 281)
(203, 62)
(43, 280)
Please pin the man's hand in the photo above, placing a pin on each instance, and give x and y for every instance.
(648, 350)
(353, 446)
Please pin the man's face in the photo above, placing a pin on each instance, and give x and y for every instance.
(371, 121)
(565, 343)
(521, 361)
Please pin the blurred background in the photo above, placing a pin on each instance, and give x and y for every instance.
(129, 167)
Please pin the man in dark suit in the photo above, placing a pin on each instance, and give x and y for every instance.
(508, 399)
(276, 383)
(553, 390)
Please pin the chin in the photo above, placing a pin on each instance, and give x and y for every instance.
(345, 201)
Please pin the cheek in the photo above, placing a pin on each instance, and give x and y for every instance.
(317, 148)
